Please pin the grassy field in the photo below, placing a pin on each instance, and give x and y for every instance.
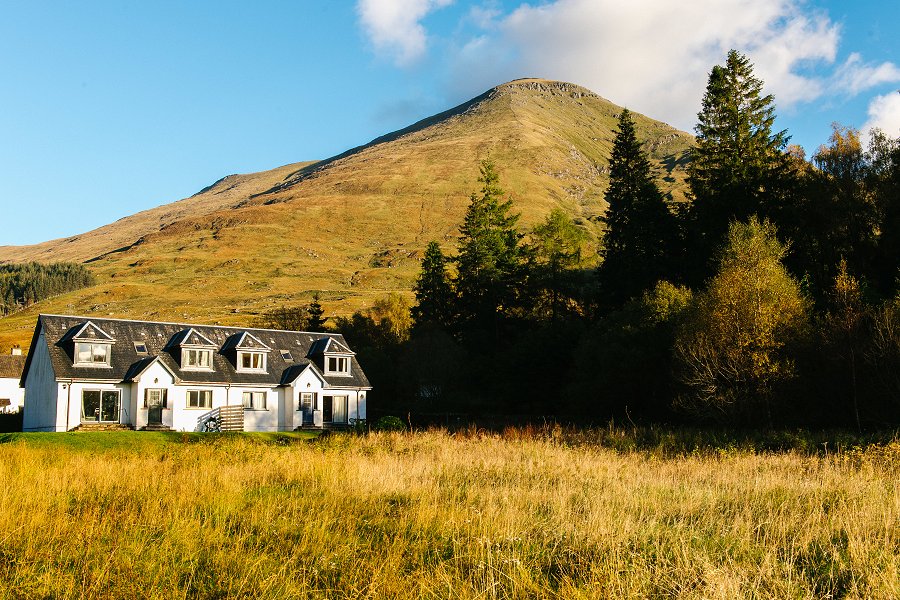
(522, 514)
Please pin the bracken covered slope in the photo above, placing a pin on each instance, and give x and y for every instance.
(352, 227)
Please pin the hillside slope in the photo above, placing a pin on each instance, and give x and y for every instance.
(353, 226)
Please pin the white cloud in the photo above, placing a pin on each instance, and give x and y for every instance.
(855, 77)
(655, 56)
(394, 26)
(884, 113)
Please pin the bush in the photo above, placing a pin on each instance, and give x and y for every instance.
(390, 423)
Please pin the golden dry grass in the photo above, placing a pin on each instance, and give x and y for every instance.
(436, 516)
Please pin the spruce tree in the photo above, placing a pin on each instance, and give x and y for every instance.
(640, 229)
(489, 257)
(316, 314)
(434, 292)
(738, 167)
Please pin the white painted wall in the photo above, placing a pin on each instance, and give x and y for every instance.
(9, 389)
(41, 407)
(73, 397)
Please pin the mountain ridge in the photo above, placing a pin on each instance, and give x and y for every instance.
(353, 226)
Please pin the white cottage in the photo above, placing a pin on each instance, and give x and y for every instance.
(92, 373)
(12, 396)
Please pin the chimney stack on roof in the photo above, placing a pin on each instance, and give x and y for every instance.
(16, 350)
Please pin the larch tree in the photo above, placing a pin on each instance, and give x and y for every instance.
(640, 230)
(731, 348)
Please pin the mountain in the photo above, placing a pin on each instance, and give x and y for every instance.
(353, 226)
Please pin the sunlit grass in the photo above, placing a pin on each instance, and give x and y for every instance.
(524, 514)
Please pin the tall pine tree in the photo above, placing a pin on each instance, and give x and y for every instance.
(489, 257)
(434, 292)
(738, 167)
(640, 230)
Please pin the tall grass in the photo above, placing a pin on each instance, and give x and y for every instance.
(524, 514)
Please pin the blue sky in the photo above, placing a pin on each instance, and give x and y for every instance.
(108, 108)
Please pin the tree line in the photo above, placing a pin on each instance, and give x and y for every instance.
(22, 285)
(770, 298)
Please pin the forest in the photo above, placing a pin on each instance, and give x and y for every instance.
(769, 299)
(22, 285)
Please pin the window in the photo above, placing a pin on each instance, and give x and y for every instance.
(199, 399)
(251, 361)
(286, 355)
(87, 353)
(140, 347)
(338, 364)
(255, 400)
(307, 401)
(155, 398)
(196, 358)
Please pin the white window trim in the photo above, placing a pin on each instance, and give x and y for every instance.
(328, 370)
(187, 400)
(240, 361)
(186, 367)
(100, 365)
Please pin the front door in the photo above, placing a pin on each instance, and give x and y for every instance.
(100, 406)
(155, 402)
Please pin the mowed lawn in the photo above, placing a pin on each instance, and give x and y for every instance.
(527, 514)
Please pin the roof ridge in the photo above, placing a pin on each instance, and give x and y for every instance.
(320, 333)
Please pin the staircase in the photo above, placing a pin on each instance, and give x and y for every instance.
(103, 427)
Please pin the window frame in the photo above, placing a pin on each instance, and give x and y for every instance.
(337, 358)
(187, 352)
(198, 406)
(92, 363)
(313, 398)
(242, 354)
(164, 397)
(253, 394)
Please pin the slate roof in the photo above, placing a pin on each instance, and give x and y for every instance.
(11, 365)
(163, 344)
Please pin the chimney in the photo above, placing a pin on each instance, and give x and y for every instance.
(16, 350)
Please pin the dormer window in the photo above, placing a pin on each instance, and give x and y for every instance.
(93, 354)
(337, 365)
(196, 359)
(251, 361)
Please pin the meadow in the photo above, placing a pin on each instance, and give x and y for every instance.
(527, 513)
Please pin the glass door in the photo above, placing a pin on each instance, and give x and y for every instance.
(100, 406)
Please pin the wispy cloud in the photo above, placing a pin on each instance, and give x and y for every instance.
(394, 26)
(854, 76)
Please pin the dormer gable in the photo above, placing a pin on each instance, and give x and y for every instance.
(91, 346)
(191, 338)
(194, 350)
(245, 340)
(250, 354)
(335, 357)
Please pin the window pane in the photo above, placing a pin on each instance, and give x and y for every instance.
(90, 405)
(332, 363)
(206, 398)
(110, 406)
(99, 353)
(204, 357)
(247, 400)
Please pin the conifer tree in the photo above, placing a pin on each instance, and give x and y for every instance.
(556, 244)
(738, 167)
(640, 229)
(489, 258)
(434, 292)
(316, 312)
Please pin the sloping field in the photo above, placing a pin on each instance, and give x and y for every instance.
(352, 227)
